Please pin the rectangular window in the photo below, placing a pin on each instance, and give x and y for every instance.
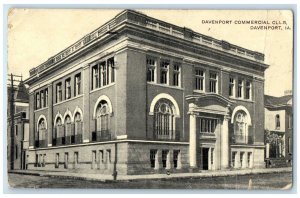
(104, 73)
(101, 157)
(42, 99)
(212, 150)
(46, 98)
(93, 159)
(95, 77)
(212, 82)
(233, 159)
(16, 127)
(77, 86)
(290, 121)
(208, 125)
(58, 93)
(231, 86)
(108, 155)
(290, 145)
(199, 77)
(152, 158)
(241, 158)
(37, 100)
(248, 90)
(151, 65)
(76, 158)
(240, 88)
(57, 160)
(176, 74)
(176, 158)
(164, 70)
(249, 159)
(164, 158)
(111, 65)
(68, 88)
(44, 160)
(66, 160)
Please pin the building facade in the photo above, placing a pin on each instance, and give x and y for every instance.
(18, 135)
(139, 95)
(279, 129)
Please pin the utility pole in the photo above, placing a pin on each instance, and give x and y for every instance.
(12, 118)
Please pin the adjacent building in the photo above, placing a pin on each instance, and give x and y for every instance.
(139, 95)
(18, 138)
(279, 129)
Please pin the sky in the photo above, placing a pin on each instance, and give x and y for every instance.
(34, 35)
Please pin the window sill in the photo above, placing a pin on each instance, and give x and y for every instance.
(103, 87)
(61, 102)
(165, 85)
(204, 92)
(44, 108)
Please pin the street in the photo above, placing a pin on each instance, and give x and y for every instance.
(258, 182)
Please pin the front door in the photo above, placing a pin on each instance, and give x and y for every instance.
(205, 158)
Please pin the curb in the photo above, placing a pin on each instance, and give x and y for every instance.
(156, 177)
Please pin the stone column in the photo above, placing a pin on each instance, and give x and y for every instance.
(225, 144)
(193, 141)
(86, 103)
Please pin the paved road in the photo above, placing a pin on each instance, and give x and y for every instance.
(260, 181)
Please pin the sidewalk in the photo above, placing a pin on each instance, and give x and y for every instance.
(100, 177)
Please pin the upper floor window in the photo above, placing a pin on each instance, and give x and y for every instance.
(213, 82)
(176, 74)
(111, 65)
(164, 70)
(248, 90)
(46, 98)
(42, 99)
(164, 120)
(68, 88)
(241, 127)
(290, 121)
(103, 73)
(240, 89)
(37, 100)
(77, 84)
(41, 130)
(277, 121)
(231, 86)
(58, 92)
(95, 77)
(151, 66)
(208, 125)
(199, 77)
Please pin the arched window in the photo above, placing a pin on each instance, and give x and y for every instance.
(57, 132)
(67, 132)
(41, 133)
(102, 120)
(241, 127)
(77, 132)
(164, 120)
(277, 122)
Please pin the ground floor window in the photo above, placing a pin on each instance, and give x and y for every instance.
(66, 160)
(249, 159)
(57, 160)
(176, 158)
(152, 158)
(93, 159)
(212, 151)
(164, 158)
(233, 163)
(76, 159)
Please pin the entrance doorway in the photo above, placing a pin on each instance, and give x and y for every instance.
(205, 152)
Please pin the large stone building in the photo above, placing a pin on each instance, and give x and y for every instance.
(139, 95)
(279, 129)
(18, 135)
